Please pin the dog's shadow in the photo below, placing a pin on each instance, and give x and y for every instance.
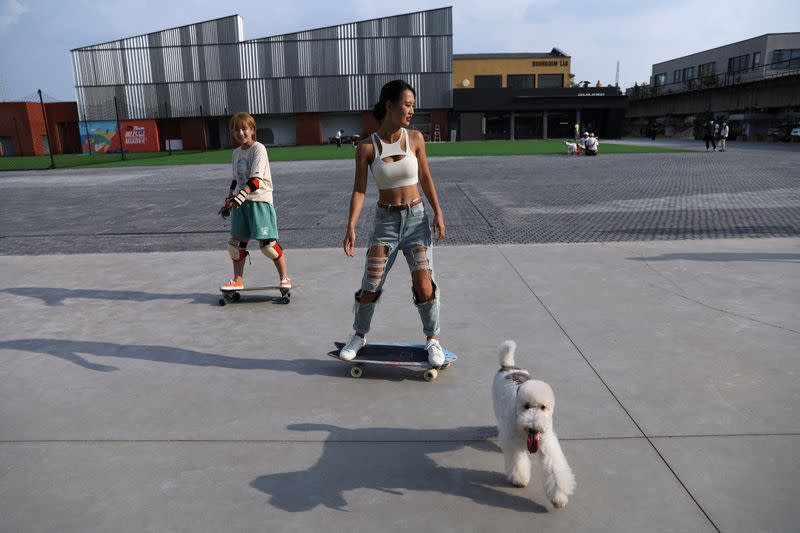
(55, 296)
(351, 460)
(75, 352)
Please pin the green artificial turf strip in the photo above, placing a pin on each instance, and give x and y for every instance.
(312, 153)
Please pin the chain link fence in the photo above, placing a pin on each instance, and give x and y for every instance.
(39, 132)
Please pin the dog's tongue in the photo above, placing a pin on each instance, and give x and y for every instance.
(533, 442)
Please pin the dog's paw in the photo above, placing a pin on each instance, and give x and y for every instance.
(519, 481)
(559, 500)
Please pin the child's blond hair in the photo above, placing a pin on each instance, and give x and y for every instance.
(243, 119)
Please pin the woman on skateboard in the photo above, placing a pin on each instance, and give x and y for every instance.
(251, 211)
(396, 156)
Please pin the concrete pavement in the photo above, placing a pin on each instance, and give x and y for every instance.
(132, 402)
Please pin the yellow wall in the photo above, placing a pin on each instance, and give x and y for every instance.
(466, 69)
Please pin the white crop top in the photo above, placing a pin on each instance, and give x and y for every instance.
(404, 171)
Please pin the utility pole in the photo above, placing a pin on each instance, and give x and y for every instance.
(47, 130)
(616, 79)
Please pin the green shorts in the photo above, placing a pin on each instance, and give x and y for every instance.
(254, 220)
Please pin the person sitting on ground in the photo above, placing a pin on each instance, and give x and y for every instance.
(591, 144)
(573, 148)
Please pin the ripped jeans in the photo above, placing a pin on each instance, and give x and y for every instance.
(408, 231)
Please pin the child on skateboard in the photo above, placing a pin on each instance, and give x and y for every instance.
(251, 211)
(396, 156)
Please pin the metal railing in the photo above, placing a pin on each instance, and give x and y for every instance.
(711, 81)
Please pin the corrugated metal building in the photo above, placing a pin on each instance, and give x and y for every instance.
(301, 87)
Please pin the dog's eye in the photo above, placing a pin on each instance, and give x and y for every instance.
(542, 407)
(527, 406)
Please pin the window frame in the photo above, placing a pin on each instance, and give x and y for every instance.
(740, 63)
(791, 62)
(712, 68)
(531, 77)
(487, 77)
(539, 80)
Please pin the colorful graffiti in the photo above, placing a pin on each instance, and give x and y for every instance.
(99, 137)
(102, 136)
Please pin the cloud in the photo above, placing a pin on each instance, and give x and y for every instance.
(10, 12)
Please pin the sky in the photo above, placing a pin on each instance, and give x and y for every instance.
(36, 36)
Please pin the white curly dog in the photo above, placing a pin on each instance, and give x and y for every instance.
(524, 407)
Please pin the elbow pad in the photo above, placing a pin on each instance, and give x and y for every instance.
(253, 183)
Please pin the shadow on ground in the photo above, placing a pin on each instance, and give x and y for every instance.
(55, 296)
(399, 463)
(73, 352)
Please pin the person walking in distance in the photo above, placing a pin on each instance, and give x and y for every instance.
(399, 164)
(724, 131)
(709, 135)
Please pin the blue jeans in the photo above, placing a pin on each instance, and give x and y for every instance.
(408, 231)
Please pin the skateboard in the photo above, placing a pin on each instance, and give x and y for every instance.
(232, 295)
(394, 354)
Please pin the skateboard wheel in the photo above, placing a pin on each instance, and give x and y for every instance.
(285, 300)
(222, 301)
(431, 374)
(356, 371)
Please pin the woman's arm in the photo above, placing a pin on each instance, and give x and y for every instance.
(363, 155)
(428, 187)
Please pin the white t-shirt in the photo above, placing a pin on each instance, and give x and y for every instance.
(253, 163)
(591, 144)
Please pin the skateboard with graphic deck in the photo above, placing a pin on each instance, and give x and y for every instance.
(394, 354)
(232, 295)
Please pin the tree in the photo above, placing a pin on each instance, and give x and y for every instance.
(572, 81)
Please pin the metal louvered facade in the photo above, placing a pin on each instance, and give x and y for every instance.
(207, 69)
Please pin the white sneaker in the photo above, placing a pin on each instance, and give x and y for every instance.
(349, 350)
(435, 352)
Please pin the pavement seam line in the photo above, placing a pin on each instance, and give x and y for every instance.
(702, 304)
(608, 388)
(458, 185)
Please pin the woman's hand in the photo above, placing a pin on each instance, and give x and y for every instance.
(349, 242)
(438, 226)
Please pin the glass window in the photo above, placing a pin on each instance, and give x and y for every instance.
(498, 126)
(756, 59)
(520, 81)
(706, 69)
(739, 63)
(786, 59)
(676, 76)
(660, 79)
(688, 73)
(489, 82)
(551, 80)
